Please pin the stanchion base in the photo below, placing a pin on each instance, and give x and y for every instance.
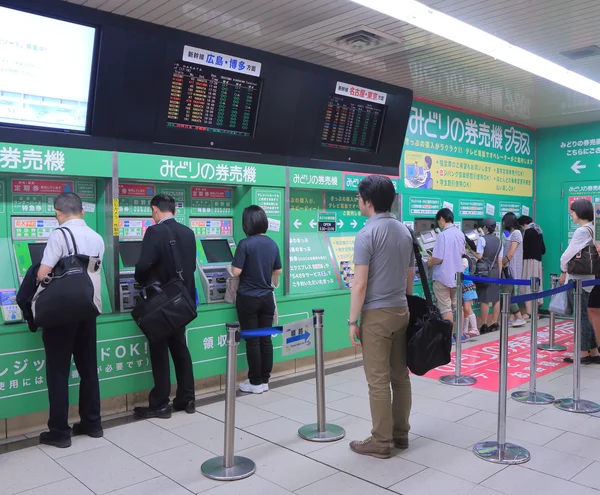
(553, 348)
(458, 381)
(501, 454)
(577, 406)
(332, 433)
(527, 397)
(215, 470)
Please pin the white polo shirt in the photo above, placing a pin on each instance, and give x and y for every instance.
(88, 242)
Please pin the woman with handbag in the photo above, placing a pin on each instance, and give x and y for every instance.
(533, 250)
(582, 213)
(512, 263)
(256, 262)
(489, 254)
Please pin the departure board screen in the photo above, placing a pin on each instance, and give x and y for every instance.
(352, 124)
(212, 99)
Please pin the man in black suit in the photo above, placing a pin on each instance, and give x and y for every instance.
(156, 264)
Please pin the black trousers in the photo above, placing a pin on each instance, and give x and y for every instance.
(159, 355)
(79, 341)
(253, 313)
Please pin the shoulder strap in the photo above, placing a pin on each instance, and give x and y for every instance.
(422, 273)
(174, 253)
(62, 231)
(495, 260)
(589, 229)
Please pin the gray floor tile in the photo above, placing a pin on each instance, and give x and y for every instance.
(342, 483)
(79, 444)
(158, 486)
(300, 410)
(432, 482)
(69, 486)
(107, 469)
(143, 438)
(248, 486)
(245, 414)
(26, 469)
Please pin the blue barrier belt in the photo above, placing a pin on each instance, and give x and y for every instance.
(590, 283)
(261, 332)
(498, 281)
(541, 295)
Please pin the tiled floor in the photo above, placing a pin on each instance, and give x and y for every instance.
(164, 456)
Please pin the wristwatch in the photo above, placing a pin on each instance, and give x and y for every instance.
(350, 323)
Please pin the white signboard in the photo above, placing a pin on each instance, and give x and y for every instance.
(298, 337)
(360, 93)
(221, 61)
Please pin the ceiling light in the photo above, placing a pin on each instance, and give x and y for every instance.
(418, 14)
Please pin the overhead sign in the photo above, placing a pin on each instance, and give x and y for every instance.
(298, 337)
(360, 93)
(220, 60)
(326, 222)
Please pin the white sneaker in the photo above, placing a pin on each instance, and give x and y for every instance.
(251, 389)
(519, 322)
(265, 387)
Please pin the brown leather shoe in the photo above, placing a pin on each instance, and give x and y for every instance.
(401, 443)
(369, 447)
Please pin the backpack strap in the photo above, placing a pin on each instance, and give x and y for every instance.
(422, 272)
(74, 244)
(174, 253)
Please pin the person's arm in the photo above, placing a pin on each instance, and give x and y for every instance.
(410, 275)
(437, 257)
(149, 256)
(277, 266)
(581, 239)
(237, 265)
(478, 253)
(52, 253)
(363, 251)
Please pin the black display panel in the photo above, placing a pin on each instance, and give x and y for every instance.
(130, 253)
(217, 250)
(36, 252)
(211, 99)
(352, 124)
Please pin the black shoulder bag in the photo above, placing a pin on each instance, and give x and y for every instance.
(71, 292)
(161, 309)
(429, 336)
(484, 269)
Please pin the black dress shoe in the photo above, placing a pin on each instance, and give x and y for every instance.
(484, 329)
(188, 407)
(55, 440)
(493, 327)
(151, 412)
(79, 429)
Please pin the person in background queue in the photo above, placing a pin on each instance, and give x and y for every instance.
(156, 264)
(384, 274)
(512, 263)
(75, 341)
(582, 213)
(446, 261)
(533, 250)
(489, 250)
(256, 262)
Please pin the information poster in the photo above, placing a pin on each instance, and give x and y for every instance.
(86, 190)
(471, 208)
(207, 201)
(37, 195)
(179, 196)
(134, 199)
(510, 207)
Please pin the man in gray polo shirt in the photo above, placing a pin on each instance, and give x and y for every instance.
(383, 275)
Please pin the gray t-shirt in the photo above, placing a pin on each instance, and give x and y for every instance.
(516, 262)
(385, 244)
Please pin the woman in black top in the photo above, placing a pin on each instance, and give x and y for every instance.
(256, 261)
(533, 250)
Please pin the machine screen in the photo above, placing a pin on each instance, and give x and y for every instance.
(421, 171)
(410, 171)
(472, 235)
(36, 251)
(217, 250)
(130, 252)
(427, 236)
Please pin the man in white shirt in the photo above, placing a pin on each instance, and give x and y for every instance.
(77, 340)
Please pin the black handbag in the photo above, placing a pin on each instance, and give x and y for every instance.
(429, 336)
(484, 269)
(586, 261)
(71, 292)
(162, 309)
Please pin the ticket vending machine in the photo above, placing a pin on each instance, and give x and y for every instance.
(215, 248)
(131, 234)
(29, 236)
(471, 225)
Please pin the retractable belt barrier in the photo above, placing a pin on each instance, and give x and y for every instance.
(551, 345)
(261, 332)
(497, 281)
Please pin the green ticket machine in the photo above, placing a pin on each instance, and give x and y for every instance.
(215, 249)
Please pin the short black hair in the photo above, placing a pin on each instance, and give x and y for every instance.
(428, 161)
(584, 209)
(164, 202)
(525, 220)
(68, 203)
(509, 222)
(379, 191)
(446, 214)
(254, 221)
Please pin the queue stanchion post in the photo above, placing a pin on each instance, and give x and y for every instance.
(576, 404)
(321, 431)
(457, 379)
(532, 396)
(551, 345)
(229, 467)
(501, 452)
